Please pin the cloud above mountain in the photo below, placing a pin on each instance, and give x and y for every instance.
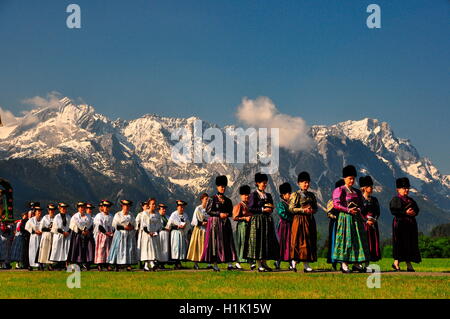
(263, 113)
(52, 100)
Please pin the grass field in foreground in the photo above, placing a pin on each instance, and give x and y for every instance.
(230, 284)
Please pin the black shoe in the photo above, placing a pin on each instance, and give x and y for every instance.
(277, 265)
(49, 268)
(209, 267)
(359, 269)
(99, 268)
(292, 269)
(268, 268)
(262, 269)
(117, 268)
(306, 270)
(334, 265)
(129, 268)
(30, 268)
(230, 267)
(162, 267)
(196, 267)
(410, 270)
(395, 268)
(252, 267)
(216, 269)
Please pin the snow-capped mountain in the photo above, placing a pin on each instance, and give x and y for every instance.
(70, 152)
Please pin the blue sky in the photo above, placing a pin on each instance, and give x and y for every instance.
(314, 59)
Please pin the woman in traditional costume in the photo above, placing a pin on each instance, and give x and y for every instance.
(199, 222)
(284, 225)
(370, 211)
(219, 241)
(139, 230)
(103, 234)
(21, 237)
(82, 247)
(164, 237)
(150, 245)
(262, 243)
(179, 225)
(303, 205)
(45, 246)
(405, 236)
(332, 215)
(61, 236)
(242, 216)
(33, 226)
(351, 239)
(123, 247)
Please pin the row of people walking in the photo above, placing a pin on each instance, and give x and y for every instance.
(155, 240)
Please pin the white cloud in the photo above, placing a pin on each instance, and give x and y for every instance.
(51, 101)
(262, 113)
(8, 118)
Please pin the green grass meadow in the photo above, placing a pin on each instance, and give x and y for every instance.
(205, 284)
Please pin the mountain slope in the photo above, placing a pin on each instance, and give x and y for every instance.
(70, 152)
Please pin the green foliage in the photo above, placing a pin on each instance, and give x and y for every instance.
(441, 231)
(434, 247)
(387, 251)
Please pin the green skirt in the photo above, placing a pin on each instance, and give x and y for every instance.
(240, 238)
(262, 242)
(351, 240)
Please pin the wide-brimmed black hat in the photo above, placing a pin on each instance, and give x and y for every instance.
(365, 181)
(62, 204)
(181, 203)
(221, 180)
(89, 205)
(162, 206)
(259, 177)
(106, 203)
(51, 206)
(349, 170)
(81, 204)
(303, 177)
(126, 202)
(244, 190)
(37, 208)
(402, 182)
(285, 188)
(32, 204)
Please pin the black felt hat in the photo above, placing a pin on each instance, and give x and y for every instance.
(244, 190)
(51, 206)
(259, 177)
(349, 170)
(63, 204)
(89, 205)
(402, 182)
(303, 177)
(365, 181)
(162, 206)
(221, 180)
(285, 188)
